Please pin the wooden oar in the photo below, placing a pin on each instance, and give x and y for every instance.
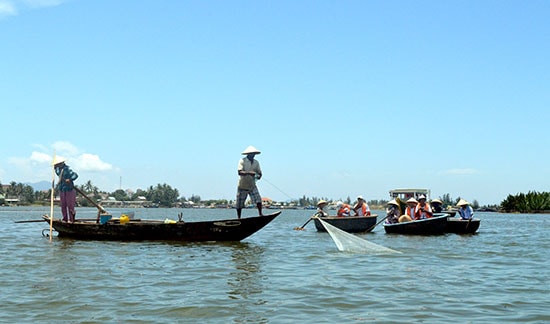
(302, 227)
(469, 221)
(30, 221)
(373, 226)
(52, 197)
(101, 209)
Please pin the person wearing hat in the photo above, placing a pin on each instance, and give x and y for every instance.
(361, 208)
(67, 194)
(344, 210)
(392, 212)
(423, 209)
(409, 211)
(437, 205)
(465, 210)
(249, 171)
(321, 205)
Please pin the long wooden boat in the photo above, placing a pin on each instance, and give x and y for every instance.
(429, 226)
(462, 226)
(350, 224)
(157, 230)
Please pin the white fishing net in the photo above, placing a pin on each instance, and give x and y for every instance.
(347, 242)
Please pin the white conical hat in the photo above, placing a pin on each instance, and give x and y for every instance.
(57, 160)
(412, 200)
(462, 202)
(322, 202)
(393, 202)
(251, 150)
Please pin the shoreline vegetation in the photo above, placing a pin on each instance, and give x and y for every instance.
(163, 195)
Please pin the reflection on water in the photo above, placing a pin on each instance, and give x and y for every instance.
(498, 275)
(245, 281)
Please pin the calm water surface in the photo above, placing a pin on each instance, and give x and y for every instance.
(278, 275)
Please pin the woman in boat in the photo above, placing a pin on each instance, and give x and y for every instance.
(344, 210)
(361, 208)
(392, 212)
(321, 205)
(465, 210)
(409, 211)
(423, 209)
(67, 194)
(437, 205)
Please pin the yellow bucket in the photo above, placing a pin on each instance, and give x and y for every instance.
(124, 219)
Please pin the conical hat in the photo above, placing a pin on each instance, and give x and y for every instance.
(58, 160)
(462, 202)
(437, 201)
(412, 200)
(251, 150)
(393, 202)
(322, 202)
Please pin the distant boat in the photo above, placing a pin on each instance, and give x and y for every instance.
(158, 230)
(350, 224)
(428, 226)
(405, 194)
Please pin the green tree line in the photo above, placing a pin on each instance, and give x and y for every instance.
(161, 195)
(531, 202)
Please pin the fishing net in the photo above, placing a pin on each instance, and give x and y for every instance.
(347, 242)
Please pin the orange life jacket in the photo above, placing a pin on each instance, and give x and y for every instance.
(344, 211)
(410, 211)
(427, 213)
(363, 211)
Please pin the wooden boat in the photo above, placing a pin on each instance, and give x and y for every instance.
(350, 224)
(462, 226)
(157, 230)
(429, 226)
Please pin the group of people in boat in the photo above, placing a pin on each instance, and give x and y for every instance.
(421, 209)
(360, 208)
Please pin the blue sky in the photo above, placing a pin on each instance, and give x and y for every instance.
(343, 98)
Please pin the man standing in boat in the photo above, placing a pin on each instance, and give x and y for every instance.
(67, 194)
(249, 171)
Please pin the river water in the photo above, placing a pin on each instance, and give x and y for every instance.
(278, 275)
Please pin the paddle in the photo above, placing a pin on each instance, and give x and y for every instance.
(52, 195)
(101, 210)
(469, 221)
(373, 226)
(30, 221)
(302, 227)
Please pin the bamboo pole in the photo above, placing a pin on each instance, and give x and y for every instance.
(51, 197)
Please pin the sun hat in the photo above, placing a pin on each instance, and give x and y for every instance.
(437, 201)
(339, 204)
(412, 200)
(58, 160)
(462, 202)
(404, 218)
(251, 150)
(393, 202)
(421, 197)
(321, 202)
(360, 197)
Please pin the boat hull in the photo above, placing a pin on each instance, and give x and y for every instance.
(351, 224)
(460, 226)
(429, 226)
(154, 230)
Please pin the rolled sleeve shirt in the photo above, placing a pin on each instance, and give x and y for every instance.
(248, 182)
